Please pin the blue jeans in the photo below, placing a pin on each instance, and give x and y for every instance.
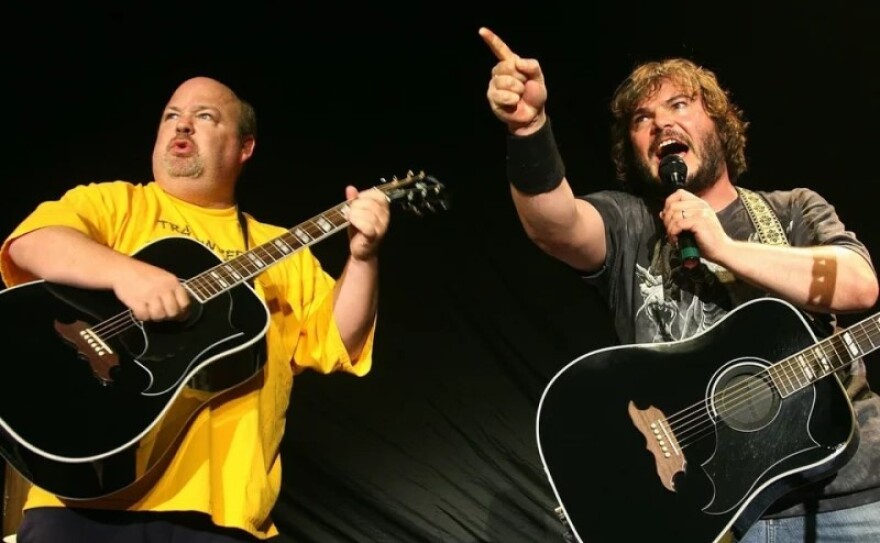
(854, 525)
(63, 525)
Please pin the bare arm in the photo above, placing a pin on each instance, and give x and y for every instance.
(357, 290)
(356, 302)
(567, 228)
(563, 226)
(826, 279)
(64, 255)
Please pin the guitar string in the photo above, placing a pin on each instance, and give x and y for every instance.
(745, 395)
(202, 282)
(205, 283)
(702, 431)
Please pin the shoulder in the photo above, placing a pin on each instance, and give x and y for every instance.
(262, 230)
(616, 204)
(617, 198)
(796, 197)
(121, 185)
(106, 192)
(116, 187)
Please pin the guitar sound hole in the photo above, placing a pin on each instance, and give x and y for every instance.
(744, 399)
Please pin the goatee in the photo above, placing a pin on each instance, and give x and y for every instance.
(183, 166)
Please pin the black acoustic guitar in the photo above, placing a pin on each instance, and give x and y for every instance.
(689, 441)
(95, 401)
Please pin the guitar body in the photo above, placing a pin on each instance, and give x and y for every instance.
(728, 445)
(85, 427)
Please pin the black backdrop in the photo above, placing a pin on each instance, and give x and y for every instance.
(437, 443)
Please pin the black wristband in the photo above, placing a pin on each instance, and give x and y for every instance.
(534, 164)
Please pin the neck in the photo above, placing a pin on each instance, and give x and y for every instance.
(200, 192)
(719, 195)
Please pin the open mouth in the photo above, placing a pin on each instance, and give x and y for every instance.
(671, 146)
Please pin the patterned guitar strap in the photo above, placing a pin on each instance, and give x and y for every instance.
(765, 220)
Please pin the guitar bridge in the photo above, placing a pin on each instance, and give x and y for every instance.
(90, 348)
(661, 442)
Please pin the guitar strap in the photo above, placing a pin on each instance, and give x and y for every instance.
(766, 222)
(242, 221)
(262, 350)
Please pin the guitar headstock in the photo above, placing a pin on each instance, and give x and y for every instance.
(417, 192)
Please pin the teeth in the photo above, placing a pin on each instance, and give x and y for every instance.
(664, 143)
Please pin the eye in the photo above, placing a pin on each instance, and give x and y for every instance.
(170, 115)
(205, 116)
(639, 118)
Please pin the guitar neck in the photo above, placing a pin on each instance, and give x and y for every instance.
(232, 273)
(827, 356)
(417, 191)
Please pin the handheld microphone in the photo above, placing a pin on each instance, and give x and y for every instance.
(673, 173)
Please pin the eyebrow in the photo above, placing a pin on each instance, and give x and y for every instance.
(196, 108)
(666, 102)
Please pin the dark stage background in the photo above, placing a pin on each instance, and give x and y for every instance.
(438, 442)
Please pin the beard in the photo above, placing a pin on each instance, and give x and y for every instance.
(713, 161)
(190, 166)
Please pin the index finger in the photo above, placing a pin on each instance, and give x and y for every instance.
(498, 47)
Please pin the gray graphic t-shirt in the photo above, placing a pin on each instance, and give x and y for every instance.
(652, 299)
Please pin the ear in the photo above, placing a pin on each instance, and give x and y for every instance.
(247, 148)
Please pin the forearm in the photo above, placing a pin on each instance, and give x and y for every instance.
(823, 279)
(548, 216)
(565, 227)
(64, 255)
(356, 302)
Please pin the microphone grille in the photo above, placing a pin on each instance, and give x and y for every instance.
(673, 170)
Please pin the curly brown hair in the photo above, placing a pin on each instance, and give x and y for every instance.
(646, 79)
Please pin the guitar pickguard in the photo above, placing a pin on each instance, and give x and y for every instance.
(173, 350)
(755, 431)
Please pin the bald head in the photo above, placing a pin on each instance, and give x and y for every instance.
(208, 86)
(206, 135)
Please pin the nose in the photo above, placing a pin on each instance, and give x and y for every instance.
(662, 119)
(184, 125)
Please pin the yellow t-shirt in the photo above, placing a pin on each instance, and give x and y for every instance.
(228, 464)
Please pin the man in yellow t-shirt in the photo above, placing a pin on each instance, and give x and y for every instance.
(204, 465)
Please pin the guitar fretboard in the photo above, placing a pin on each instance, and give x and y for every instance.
(229, 274)
(825, 357)
(416, 190)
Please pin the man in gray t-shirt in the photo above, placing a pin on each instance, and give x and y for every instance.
(676, 255)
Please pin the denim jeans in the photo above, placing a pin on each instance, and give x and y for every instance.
(854, 525)
(63, 525)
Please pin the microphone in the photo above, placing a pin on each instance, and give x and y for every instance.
(673, 173)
